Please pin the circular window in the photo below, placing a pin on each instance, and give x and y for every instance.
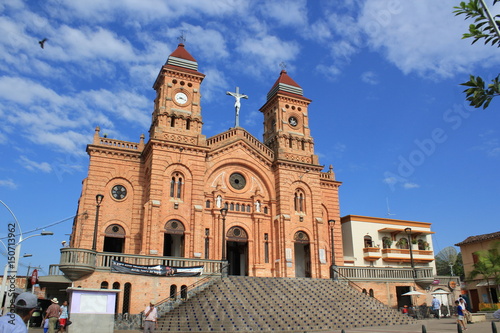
(119, 192)
(237, 181)
(115, 228)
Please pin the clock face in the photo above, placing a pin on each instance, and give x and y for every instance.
(237, 181)
(119, 192)
(293, 121)
(181, 98)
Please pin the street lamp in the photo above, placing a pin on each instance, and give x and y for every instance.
(333, 267)
(408, 233)
(98, 200)
(223, 213)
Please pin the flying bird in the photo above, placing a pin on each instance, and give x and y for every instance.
(42, 42)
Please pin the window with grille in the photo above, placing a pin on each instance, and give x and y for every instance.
(127, 290)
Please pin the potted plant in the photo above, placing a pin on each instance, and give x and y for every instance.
(402, 243)
(387, 243)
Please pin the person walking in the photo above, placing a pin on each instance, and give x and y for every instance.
(460, 313)
(151, 315)
(16, 322)
(436, 307)
(63, 318)
(53, 312)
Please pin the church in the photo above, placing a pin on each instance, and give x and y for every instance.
(231, 204)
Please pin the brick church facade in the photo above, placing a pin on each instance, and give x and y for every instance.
(164, 197)
(181, 199)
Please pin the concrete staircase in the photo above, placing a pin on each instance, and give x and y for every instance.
(278, 304)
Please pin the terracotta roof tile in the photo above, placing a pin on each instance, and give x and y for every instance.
(479, 238)
(181, 52)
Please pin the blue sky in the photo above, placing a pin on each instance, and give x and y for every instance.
(387, 110)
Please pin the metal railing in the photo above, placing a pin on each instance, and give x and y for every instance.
(384, 273)
(103, 260)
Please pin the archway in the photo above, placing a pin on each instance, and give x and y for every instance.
(237, 251)
(173, 240)
(114, 239)
(302, 255)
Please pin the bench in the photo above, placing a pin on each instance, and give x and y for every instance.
(477, 317)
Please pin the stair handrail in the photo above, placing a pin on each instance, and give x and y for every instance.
(176, 299)
(355, 285)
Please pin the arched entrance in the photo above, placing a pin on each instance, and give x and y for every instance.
(237, 251)
(173, 242)
(114, 239)
(302, 251)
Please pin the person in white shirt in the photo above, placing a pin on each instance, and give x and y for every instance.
(151, 315)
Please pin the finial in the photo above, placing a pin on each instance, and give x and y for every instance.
(283, 66)
(182, 37)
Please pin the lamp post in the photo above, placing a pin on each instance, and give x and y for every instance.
(223, 213)
(414, 273)
(98, 200)
(333, 271)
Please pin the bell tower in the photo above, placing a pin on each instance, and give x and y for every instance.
(286, 122)
(177, 111)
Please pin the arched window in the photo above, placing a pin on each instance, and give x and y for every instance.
(371, 293)
(386, 242)
(303, 145)
(104, 285)
(421, 244)
(368, 241)
(172, 122)
(116, 285)
(114, 239)
(127, 290)
(237, 207)
(364, 291)
(173, 291)
(207, 204)
(176, 185)
(188, 124)
(402, 243)
(184, 292)
(299, 201)
(290, 143)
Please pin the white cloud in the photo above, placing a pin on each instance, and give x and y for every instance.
(9, 183)
(268, 51)
(34, 166)
(409, 185)
(422, 37)
(288, 13)
(369, 77)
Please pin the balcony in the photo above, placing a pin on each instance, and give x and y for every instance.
(77, 263)
(371, 253)
(424, 274)
(403, 255)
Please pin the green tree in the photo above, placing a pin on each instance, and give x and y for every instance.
(485, 27)
(488, 265)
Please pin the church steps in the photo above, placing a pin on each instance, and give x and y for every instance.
(278, 304)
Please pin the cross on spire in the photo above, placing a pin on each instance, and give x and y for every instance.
(182, 37)
(237, 104)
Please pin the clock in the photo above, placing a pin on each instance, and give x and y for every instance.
(119, 192)
(293, 121)
(237, 181)
(181, 98)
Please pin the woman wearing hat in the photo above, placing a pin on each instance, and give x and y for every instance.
(53, 313)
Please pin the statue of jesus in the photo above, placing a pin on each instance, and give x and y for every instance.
(237, 104)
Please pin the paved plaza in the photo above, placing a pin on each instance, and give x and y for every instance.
(431, 325)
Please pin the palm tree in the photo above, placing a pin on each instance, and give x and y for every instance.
(488, 265)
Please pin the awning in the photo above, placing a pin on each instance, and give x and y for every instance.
(484, 283)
